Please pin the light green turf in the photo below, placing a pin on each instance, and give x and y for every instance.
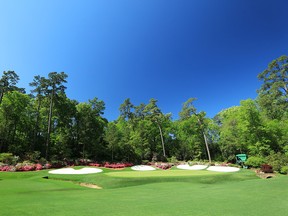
(171, 192)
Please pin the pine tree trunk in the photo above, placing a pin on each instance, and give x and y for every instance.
(207, 147)
(36, 128)
(162, 140)
(1, 96)
(49, 125)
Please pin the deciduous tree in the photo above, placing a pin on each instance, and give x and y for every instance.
(273, 94)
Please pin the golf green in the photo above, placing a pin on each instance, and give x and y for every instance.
(127, 192)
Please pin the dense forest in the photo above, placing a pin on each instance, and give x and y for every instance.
(45, 123)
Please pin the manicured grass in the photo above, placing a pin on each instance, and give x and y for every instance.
(126, 192)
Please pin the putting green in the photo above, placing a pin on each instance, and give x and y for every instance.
(170, 192)
(159, 173)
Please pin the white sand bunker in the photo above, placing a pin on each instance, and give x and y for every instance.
(194, 167)
(73, 171)
(223, 169)
(142, 168)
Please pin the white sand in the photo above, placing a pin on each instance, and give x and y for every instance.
(142, 168)
(194, 167)
(223, 169)
(73, 171)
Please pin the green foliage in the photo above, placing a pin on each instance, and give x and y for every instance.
(284, 170)
(277, 160)
(56, 127)
(32, 156)
(172, 159)
(5, 157)
(8, 158)
(255, 161)
(273, 93)
(8, 83)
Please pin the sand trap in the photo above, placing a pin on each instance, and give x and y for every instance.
(142, 168)
(73, 171)
(90, 186)
(194, 167)
(223, 169)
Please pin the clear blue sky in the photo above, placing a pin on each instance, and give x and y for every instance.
(169, 50)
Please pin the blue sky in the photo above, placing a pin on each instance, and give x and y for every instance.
(169, 50)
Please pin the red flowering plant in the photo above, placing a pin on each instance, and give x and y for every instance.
(47, 166)
(266, 168)
(164, 166)
(7, 168)
(94, 164)
(127, 164)
(25, 166)
(38, 167)
(114, 166)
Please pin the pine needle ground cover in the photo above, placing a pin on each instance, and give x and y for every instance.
(126, 192)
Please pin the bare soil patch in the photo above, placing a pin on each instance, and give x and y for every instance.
(90, 186)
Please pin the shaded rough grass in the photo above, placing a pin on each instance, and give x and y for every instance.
(203, 193)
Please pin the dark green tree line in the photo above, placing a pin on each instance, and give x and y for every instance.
(48, 122)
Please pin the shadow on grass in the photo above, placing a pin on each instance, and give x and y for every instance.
(48, 190)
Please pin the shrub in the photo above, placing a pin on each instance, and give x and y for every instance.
(18, 167)
(7, 168)
(33, 156)
(42, 161)
(47, 166)
(12, 169)
(5, 156)
(57, 164)
(83, 162)
(114, 166)
(277, 160)
(94, 164)
(8, 158)
(266, 168)
(25, 166)
(38, 167)
(145, 162)
(127, 164)
(284, 170)
(254, 161)
(173, 160)
(163, 166)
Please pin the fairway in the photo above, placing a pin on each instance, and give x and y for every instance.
(126, 192)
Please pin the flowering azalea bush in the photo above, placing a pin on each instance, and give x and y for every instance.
(25, 166)
(117, 165)
(163, 166)
(21, 167)
(6, 168)
(57, 164)
(43, 164)
(94, 164)
(114, 166)
(127, 164)
(47, 166)
(266, 168)
(38, 167)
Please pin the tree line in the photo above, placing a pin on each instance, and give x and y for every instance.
(47, 122)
